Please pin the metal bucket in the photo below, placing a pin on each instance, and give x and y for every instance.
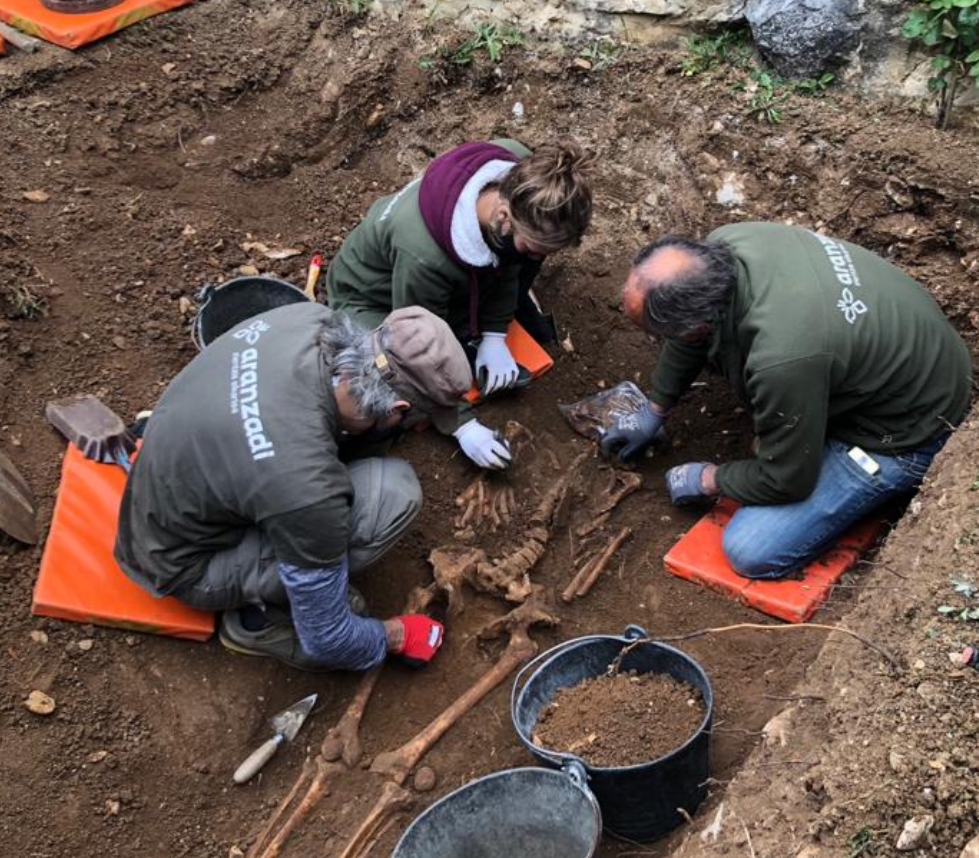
(639, 802)
(524, 813)
(223, 307)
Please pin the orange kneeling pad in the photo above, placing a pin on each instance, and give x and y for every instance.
(72, 30)
(698, 557)
(79, 578)
(526, 351)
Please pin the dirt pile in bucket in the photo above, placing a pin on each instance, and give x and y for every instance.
(621, 720)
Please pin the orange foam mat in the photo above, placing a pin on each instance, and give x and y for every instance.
(79, 579)
(698, 557)
(73, 31)
(526, 351)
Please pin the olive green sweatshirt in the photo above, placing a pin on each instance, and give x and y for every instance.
(390, 260)
(822, 339)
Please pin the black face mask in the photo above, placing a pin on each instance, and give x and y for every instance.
(506, 248)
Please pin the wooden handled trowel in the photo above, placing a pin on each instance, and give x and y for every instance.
(285, 725)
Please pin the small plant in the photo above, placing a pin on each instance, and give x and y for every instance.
(767, 92)
(356, 8)
(491, 38)
(967, 591)
(707, 52)
(813, 86)
(950, 30)
(26, 305)
(601, 54)
(861, 843)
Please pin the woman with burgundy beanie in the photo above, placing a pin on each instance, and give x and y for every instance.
(464, 240)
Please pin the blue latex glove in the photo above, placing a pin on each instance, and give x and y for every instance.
(631, 433)
(684, 483)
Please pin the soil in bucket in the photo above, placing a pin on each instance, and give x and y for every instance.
(624, 719)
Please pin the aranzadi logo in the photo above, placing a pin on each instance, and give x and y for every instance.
(846, 274)
(252, 332)
(244, 391)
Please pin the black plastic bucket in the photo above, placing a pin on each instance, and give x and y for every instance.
(223, 307)
(638, 802)
(524, 813)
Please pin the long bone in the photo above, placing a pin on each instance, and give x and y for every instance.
(398, 764)
(394, 800)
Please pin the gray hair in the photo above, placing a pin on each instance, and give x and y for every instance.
(349, 353)
(692, 297)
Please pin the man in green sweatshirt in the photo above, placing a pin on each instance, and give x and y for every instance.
(852, 374)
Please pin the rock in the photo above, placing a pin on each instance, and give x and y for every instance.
(971, 849)
(731, 191)
(36, 196)
(776, 731)
(209, 140)
(112, 806)
(184, 305)
(929, 692)
(120, 343)
(518, 111)
(40, 703)
(97, 756)
(168, 68)
(188, 231)
(800, 38)
(86, 644)
(914, 832)
(235, 851)
(425, 779)
(39, 637)
(377, 114)
(897, 761)
(247, 270)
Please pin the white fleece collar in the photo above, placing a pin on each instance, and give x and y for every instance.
(467, 238)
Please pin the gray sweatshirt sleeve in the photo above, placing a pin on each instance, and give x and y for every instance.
(328, 630)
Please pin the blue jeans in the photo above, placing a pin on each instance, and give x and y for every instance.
(772, 541)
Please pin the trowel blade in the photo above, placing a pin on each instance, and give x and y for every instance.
(288, 721)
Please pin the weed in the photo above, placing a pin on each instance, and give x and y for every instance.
(707, 52)
(356, 8)
(491, 38)
(813, 86)
(601, 54)
(950, 30)
(26, 305)
(861, 843)
(967, 592)
(975, 484)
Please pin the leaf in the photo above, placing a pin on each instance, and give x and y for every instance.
(915, 24)
(962, 586)
(946, 609)
(948, 29)
(940, 63)
(969, 17)
(964, 4)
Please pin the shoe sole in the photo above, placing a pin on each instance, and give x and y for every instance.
(238, 649)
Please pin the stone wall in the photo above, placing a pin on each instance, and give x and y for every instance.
(877, 61)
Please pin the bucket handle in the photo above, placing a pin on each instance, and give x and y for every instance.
(631, 634)
(204, 295)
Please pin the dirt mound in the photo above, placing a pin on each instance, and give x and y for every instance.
(621, 720)
(166, 150)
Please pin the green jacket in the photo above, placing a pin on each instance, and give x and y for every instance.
(822, 339)
(390, 261)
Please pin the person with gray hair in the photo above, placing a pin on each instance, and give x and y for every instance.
(244, 498)
(851, 373)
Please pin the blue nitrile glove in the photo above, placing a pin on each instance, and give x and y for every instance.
(684, 483)
(494, 361)
(631, 433)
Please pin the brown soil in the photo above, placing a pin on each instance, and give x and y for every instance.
(621, 720)
(166, 148)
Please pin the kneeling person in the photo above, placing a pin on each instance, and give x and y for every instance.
(239, 500)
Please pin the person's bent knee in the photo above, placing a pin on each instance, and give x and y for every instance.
(747, 555)
(402, 490)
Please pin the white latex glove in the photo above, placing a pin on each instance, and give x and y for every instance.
(483, 445)
(501, 369)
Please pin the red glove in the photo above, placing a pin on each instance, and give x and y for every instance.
(422, 639)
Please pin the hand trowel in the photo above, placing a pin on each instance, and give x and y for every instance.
(285, 726)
